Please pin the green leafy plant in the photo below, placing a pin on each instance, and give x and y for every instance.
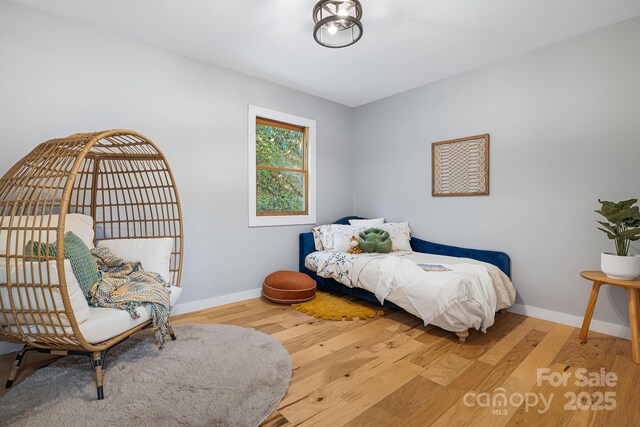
(623, 224)
(278, 190)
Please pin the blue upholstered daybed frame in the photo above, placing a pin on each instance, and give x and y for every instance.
(499, 259)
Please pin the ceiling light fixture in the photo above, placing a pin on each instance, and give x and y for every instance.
(337, 22)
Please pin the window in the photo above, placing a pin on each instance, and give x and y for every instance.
(281, 168)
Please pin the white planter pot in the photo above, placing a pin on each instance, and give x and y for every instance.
(620, 267)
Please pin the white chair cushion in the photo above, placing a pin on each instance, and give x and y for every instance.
(40, 296)
(80, 225)
(153, 253)
(105, 323)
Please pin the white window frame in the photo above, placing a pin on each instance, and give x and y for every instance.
(285, 219)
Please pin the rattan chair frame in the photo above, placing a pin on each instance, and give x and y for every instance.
(121, 179)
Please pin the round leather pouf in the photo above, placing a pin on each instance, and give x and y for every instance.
(288, 287)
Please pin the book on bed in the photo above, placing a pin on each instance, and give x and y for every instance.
(433, 267)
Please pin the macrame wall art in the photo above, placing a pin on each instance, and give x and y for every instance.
(460, 167)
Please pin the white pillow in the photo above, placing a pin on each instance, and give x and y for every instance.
(153, 253)
(342, 237)
(318, 237)
(323, 237)
(49, 272)
(400, 235)
(80, 225)
(334, 237)
(366, 222)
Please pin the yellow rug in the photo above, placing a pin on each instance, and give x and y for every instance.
(328, 307)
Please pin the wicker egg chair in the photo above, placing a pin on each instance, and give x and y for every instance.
(118, 177)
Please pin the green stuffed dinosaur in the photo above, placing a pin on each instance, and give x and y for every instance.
(375, 240)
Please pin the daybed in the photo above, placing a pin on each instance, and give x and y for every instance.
(107, 188)
(459, 317)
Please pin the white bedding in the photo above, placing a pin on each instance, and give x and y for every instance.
(465, 297)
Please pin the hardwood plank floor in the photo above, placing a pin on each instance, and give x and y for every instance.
(392, 371)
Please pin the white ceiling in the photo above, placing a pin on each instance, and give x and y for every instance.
(406, 43)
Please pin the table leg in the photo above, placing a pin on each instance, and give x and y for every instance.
(591, 306)
(632, 294)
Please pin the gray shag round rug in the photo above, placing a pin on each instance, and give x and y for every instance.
(213, 375)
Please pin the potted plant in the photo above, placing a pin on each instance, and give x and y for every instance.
(623, 227)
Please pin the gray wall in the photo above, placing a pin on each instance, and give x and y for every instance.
(565, 131)
(564, 124)
(59, 77)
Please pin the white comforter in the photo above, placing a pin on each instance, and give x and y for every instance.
(466, 296)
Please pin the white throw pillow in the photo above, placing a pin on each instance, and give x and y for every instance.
(342, 237)
(318, 237)
(400, 235)
(30, 273)
(342, 243)
(323, 237)
(334, 237)
(337, 237)
(153, 253)
(80, 225)
(366, 222)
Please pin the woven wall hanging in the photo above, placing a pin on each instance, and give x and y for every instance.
(460, 167)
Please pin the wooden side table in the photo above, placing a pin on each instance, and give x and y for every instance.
(633, 293)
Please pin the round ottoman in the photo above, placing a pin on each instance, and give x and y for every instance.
(288, 287)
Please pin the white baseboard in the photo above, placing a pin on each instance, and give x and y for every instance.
(188, 307)
(571, 320)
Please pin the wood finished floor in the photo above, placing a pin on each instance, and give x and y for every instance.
(392, 371)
